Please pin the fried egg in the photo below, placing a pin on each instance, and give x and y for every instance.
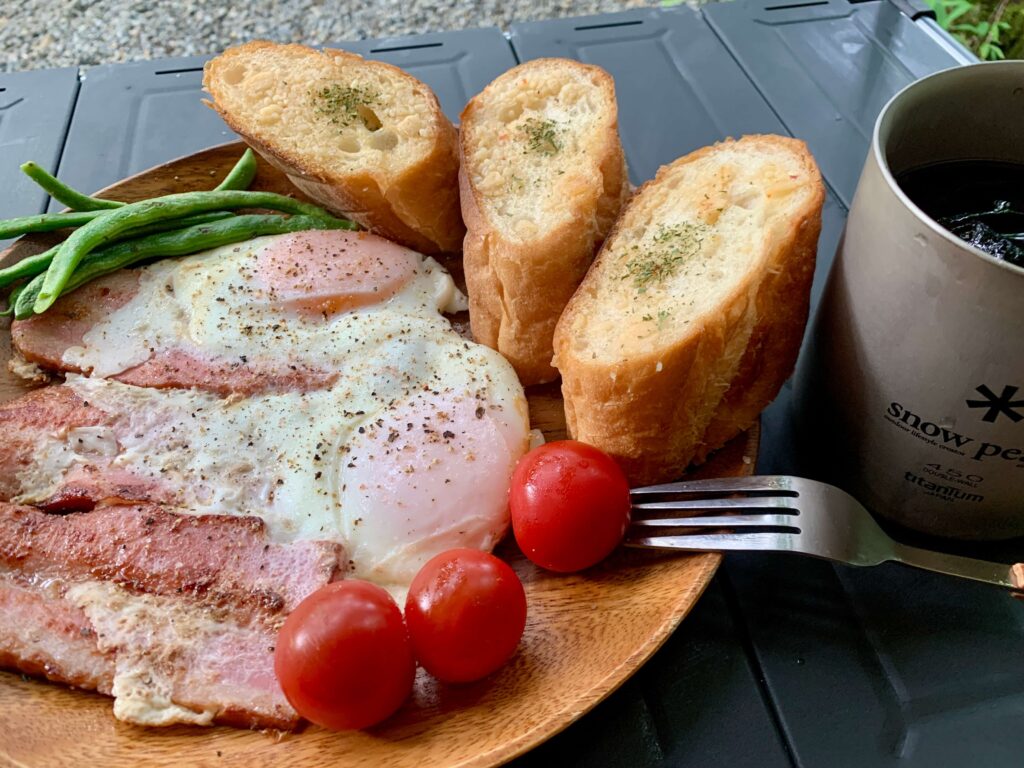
(401, 449)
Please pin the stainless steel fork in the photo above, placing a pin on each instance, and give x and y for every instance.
(785, 514)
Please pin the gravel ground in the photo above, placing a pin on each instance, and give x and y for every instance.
(57, 33)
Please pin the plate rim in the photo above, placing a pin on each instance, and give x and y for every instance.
(615, 678)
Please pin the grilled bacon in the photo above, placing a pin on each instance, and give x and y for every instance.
(174, 615)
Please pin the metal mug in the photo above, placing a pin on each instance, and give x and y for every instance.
(911, 390)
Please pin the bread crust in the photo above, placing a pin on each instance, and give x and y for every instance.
(418, 207)
(518, 288)
(658, 412)
(781, 306)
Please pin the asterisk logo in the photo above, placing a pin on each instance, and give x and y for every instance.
(998, 405)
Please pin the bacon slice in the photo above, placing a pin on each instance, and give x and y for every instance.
(24, 420)
(174, 615)
(46, 636)
(314, 274)
(184, 369)
(43, 340)
(32, 421)
(179, 662)
(222, 560)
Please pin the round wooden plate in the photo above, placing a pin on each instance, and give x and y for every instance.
(585, 635)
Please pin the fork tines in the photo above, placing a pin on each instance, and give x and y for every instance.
(758, 509)
(770, 484)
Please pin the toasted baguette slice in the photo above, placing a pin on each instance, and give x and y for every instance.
(691, 317)
(362, 138)
(542, 179)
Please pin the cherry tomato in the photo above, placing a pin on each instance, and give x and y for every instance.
(343, 656)
(466, 611)
(570, 505)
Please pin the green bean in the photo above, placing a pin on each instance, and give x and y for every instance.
(170, 224)
(177, 243)
(62, 193)
(22, 303)
(30, 266)
(46, 222)
(241, 176)
(37, 264)
(86, 208)
(83, 240)
(12, 300)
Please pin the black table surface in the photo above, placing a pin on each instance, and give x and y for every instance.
(785, 661)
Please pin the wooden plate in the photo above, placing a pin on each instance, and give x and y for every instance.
(586, 633)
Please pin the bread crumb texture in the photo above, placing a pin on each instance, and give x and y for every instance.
(361, 138)
(532, 151)
(691, 317)
(329, 107)
(684, 243)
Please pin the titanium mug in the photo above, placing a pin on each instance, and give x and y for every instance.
(910, 394)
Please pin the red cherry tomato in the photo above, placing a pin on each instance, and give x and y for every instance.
(569, 504)
(466, 611)
(343, 656)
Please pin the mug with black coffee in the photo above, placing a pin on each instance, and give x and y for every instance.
(911, 394)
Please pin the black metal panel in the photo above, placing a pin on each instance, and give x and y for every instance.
(34, 111)
(877, 665)
(863, 668)
(777, 438)
(457, 65)
(886, 666)
(678, 89)
(828, 67)
(872, 667)
(677, 86)
(704, 696)
(133, 116)
(695, 704)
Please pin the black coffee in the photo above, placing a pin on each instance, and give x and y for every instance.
(979, 201)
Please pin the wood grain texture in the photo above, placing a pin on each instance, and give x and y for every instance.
(585, 635)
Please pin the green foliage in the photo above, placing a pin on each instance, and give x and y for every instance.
(993, 29)
(1014, 16)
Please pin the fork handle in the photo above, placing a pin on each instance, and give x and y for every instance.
(1001, 574)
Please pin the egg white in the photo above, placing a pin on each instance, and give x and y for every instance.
(213, 301)
(408, 454)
